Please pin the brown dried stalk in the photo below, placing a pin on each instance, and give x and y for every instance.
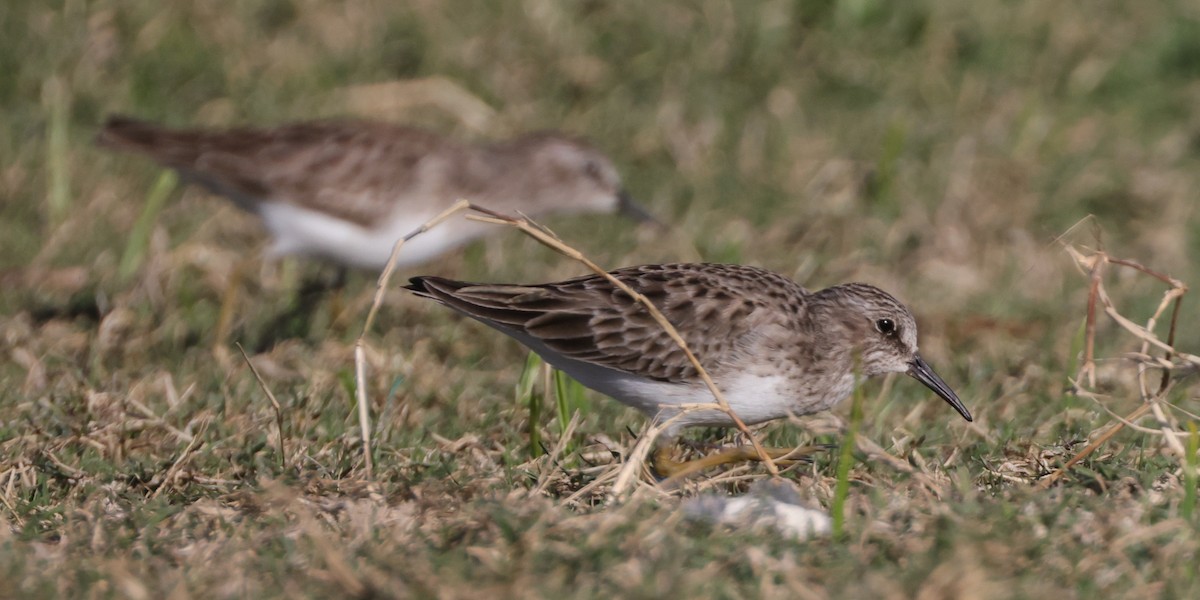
(1094, 265)
(360, 353)
(274, 404)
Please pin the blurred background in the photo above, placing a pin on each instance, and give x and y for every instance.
(942, 150)
(937, 150)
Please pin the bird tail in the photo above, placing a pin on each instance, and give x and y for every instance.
(496, 305)
(177, 148)
(434, 288)
(210, 159)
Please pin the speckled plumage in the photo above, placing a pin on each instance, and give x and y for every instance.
(772, 346)
(346, 190)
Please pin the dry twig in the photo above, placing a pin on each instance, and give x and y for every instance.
(360, 354)
(274, 404)
(1094, 264)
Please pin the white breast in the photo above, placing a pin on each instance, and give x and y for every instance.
(753, 398)
(304, 232)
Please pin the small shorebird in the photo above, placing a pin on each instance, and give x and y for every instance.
(772, 347)
(345, 191)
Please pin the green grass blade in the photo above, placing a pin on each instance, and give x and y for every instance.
(58, 177)
(568, 398)
(845, 461)
(1075, 356)
(527, 395)
(139, 237)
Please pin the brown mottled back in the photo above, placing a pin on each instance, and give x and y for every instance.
(328, 166)
(591, 320)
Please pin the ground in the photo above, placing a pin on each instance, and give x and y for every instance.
(950, 153)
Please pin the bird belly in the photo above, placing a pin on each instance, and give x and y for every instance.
(754, 399)
(305, 232)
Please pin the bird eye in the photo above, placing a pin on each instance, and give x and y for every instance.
(886, 326)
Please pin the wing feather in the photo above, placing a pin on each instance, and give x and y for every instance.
(588, 319)
(327, 166)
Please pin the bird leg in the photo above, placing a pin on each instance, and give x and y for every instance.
(337, 293)
(229, 300)
(300, 318)
(669, 468)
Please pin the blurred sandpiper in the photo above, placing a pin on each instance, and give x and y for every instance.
(772, 347)
(345, 191)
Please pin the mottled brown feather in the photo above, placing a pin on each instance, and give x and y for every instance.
(772, 348)
(328, 166)
(714, 307)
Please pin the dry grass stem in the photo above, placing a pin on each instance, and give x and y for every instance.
(1182, 435)
(274, 405)
(360, 353)
(229, 301)
(157, 420)
(636, 459)
(12, 510)
(556, 453)
(1112, 430)
(176, 466)
(1094, 265)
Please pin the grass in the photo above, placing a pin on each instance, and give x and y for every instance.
(1188, 509)
(139, 236)
(841, 489)
(932, 148)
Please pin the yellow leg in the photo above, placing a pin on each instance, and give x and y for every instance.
(322, 303)
(229, 300)
(339, 303)
(675, 470)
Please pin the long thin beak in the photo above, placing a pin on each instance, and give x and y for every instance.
(921, 371)
(629, 207)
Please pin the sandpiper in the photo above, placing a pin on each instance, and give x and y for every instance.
(771, 346)
(345, 191)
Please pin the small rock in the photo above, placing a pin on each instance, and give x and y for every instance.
(770, 504)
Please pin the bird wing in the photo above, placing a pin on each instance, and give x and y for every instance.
(352, 170)
(590, 319)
